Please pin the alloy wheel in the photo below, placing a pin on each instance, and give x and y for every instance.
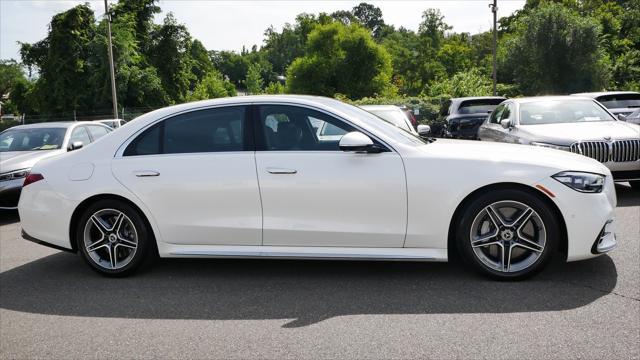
(110, 239)
(508, 236)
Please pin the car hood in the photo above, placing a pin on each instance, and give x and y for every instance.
(515, 154)
(566, 134)
(16, 160)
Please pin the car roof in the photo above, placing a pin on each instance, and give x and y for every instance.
(460, 99)
(530, 99)
(380, 107)
(53, 124)
(605, 93)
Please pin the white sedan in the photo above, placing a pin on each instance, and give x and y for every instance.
(249, 177)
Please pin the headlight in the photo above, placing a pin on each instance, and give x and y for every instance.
(16, 174)
(581, 181)
(551, 146)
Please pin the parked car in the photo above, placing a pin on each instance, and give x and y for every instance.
(24, 145)
(410, 115)
(112, 123)
(460, 118)
(570, 123)
(215, 179)
(393, 115)
(634, 117)
(619, 103)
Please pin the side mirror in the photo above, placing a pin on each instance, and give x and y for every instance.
(622, 117)
(424, 130)
(76, 145)
(357, 142)
(506, 123)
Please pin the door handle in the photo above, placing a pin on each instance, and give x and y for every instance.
(146, 173)
(273, 170)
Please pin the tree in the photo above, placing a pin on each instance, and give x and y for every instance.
(370, 17)
(171, 43)
(253, 81)
(10, 73)
(343, 60)
(554, 50)
(61, 61)
(212, 86)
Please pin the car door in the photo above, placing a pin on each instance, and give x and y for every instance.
(196, 174)
(491, 130)
(509, 135)
(313, 194)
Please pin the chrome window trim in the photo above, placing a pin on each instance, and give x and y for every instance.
(123, 146)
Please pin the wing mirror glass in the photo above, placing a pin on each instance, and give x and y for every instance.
(358, 142)
(424, 130)
(622, 117)
(76, 145)
(506, 123)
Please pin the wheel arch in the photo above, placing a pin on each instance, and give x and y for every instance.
(77, 213)
(451, 245)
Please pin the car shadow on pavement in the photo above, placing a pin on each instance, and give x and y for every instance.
(8, 217)
(627, 196)
(300, 292)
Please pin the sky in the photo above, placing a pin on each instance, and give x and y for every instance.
(230, 25)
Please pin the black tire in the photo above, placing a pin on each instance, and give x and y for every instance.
(145, 240)
(474, 210)
(635, 185)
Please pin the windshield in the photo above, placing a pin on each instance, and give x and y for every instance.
(620, 101)
(562, 111)
(32, 139)
(483, 106)
(396, 117)
(374, 122)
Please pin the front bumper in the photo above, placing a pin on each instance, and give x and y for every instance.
(10, 194)
(587, 217)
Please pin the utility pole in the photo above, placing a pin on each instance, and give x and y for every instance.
(494, 10)
(114, 98)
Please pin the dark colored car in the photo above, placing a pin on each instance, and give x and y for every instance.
(460, 118)
(619, 103)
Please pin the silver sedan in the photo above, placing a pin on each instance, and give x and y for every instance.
(570, 123)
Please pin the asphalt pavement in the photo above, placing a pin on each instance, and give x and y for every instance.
(53, 306)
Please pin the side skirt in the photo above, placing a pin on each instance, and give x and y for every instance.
(323, 253)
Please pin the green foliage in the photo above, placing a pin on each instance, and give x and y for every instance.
(554, 50)
(170, 45)
(253, 80)
(274, 88)
(341, 59)
(467, 83)
(212, 86)
(550, 46)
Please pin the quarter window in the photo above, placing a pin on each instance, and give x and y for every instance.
(290, 128)
(80, 134)
(211, 130)
(97, 132)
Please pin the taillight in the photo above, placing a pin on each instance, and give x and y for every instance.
(31, 178)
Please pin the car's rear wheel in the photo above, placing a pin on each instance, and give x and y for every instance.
(508, 234)
(113, 238)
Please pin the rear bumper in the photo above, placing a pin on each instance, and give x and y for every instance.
(44, 243)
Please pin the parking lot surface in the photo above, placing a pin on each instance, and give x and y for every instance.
(53, 306)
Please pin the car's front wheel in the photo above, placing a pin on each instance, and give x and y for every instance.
(508, 234)
(113, 238)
